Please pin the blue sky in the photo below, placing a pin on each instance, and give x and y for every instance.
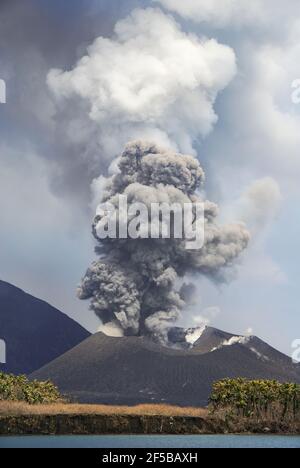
(250, 155)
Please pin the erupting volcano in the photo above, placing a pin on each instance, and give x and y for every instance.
(136, 285)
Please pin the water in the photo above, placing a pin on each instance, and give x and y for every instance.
(214, 441)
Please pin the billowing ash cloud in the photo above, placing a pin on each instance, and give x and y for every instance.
(151, 80)
(135, 284)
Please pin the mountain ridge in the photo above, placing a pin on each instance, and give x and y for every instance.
(133, 370)
(34, 332)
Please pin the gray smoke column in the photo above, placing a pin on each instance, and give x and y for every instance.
(135, 284)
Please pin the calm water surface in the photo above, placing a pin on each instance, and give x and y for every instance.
(220, 441)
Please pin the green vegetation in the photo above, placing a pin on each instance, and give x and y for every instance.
(19, 388)
(260, 399)
(237, 406)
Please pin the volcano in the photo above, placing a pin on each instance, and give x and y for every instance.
(133, 370)
(34, 332)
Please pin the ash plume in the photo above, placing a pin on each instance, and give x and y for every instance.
(135, 284)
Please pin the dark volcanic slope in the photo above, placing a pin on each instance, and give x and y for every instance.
(210, 339)
(35, 333)
(132, 370)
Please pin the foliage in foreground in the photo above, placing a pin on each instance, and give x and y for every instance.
(19, 388)
(256, 398)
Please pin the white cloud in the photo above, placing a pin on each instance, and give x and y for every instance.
(272, 116)
(257, 207)
(261, 269)
(259, 204)
(262, 134)
(151, 81)
(217, 12)
(97, 189)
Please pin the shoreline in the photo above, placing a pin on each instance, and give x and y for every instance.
(19, 419)
(88, 424)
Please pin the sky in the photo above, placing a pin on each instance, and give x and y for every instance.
(205, 77)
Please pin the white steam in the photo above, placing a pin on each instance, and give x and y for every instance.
(217, 12)
(151, 81)
(260, 204)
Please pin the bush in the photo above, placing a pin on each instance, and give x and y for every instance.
(256, 398)
(19, 388)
